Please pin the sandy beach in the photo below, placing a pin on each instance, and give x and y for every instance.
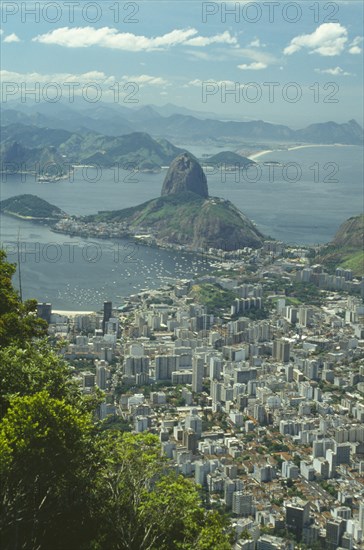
(318, 145)
(261, 153)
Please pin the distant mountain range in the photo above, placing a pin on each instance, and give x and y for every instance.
(173, 123)
(23, 147)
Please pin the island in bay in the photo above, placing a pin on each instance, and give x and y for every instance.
(183, 216)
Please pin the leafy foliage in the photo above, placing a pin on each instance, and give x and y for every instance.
(65, 481)
(213, 296)
(150, 507)
(29, 370)
(48, 466)
(31, 206)
(18, 321)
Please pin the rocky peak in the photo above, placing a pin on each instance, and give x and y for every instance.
(185, 174)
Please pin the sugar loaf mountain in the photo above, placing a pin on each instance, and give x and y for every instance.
(185, 215)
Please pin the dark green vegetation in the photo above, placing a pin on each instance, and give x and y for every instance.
(347, 248)
(306, 293)
(228, 158)
(295, 292)
(31, 206)
(214, 297)
(218, 300)
(23, 147)
(18, 322)
(66, 482)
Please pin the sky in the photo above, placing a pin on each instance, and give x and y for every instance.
(293, 63)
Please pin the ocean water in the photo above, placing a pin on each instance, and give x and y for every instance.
(302, 200)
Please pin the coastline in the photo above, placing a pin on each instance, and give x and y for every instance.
(254, 156)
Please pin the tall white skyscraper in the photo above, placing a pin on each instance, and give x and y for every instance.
(197, 374)
(361, 517)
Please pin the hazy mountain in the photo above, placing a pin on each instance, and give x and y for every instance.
(14, 157)
(101, 119)
(331, 132)
(33, 136)
(174, 123)
(138, 148)
(191, 128)
(228, 158)
(170, 109)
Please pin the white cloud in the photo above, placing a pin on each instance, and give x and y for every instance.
(1, 32)
(106, 37)
(58, 78)
(355, 50)
(205, 56)
(328, 39)
(337, 71)
(223, 38)
(258, 56)
(354, 47)
(11, 38)
(255, 66)
(256, 43)
(91, 77)
(145, 79)
(75, 84)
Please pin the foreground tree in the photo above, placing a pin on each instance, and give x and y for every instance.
(18, 321)
(151, 507)
(28, 370)
(49, 466)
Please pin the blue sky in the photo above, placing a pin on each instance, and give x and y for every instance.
(172, 50)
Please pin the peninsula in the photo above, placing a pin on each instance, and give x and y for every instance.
(183, 216)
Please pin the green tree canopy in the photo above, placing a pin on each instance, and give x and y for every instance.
(28, 370)
(18, 321)
(150, 506)
(49, 466)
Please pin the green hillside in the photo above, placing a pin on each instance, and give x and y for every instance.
(21, 144)
(15, 157)
(188, 219)
(347, 248)
(31, 207)
(217, 299)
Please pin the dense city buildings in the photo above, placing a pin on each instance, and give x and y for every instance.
(257, 396)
